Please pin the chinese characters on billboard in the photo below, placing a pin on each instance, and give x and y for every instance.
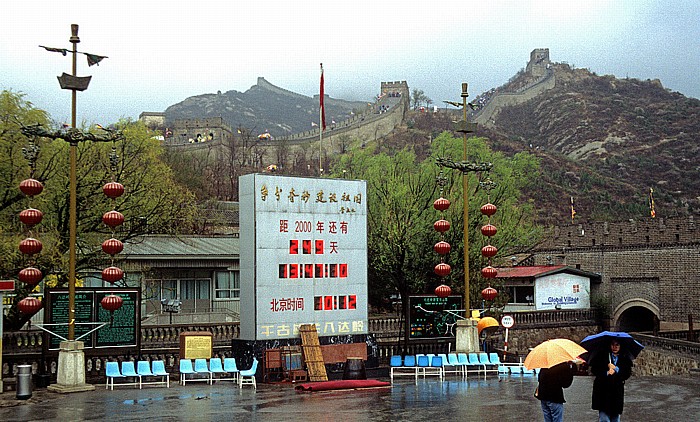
(303, 256)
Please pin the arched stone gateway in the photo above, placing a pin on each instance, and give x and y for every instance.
(636, 315)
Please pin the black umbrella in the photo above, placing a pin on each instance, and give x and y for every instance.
(597, 343)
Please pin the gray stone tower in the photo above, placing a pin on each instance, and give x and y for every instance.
(539, 62)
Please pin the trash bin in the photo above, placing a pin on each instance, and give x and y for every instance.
(24, 382)
(355, 369)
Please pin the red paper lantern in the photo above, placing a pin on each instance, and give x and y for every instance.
(489, 230)
(489, 272)
(489, 251)
(441, 204)
(488, 209)
(442, 247)
(30, 275)
(31, 217)
(30, 246)
(31, 187)
(113, 218)
(29, 305)
(112, 246)
(111, 302)
(113, 189)
(443, 269)
(489, 293)
(443, 291)
(112, 274)
(441, 226)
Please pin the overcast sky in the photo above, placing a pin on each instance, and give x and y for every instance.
(163, 52)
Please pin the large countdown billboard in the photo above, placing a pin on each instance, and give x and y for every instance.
(303, 256)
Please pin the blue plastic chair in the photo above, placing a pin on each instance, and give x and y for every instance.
(159, 371)
(422, 363)
(488, 366)
(409, 361)
(474, 363)
(186, 368)
(112, 372)
(436, 366)
(463, 362)
(216, 367)
(453, 362)
(143, 368)
(231, 368)
(128, 370)
(247, 376)
(200, 367)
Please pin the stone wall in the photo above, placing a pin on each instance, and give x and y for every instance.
(651, 264)
(653, 361)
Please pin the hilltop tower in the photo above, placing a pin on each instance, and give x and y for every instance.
(539, 62)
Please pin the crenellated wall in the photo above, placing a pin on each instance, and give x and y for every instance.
(649, 266)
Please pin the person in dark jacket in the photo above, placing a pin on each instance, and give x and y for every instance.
(550, 390)
(611, 370)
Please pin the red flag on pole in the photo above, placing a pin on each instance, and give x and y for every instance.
(323, 111)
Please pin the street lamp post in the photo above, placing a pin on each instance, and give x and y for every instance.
(71, 358)
(465, 127)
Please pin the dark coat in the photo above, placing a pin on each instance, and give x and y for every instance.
(609, 390)
(553, 381)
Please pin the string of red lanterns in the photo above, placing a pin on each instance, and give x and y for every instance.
(489, 251)
(112, 246)
(442, 248)
(30, 246)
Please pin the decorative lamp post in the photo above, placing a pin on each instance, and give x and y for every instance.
(465, 167)
(71, 367)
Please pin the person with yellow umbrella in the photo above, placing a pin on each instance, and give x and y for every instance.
(554, 357)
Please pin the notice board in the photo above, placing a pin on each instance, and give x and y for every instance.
(428, 317)
(125, 328)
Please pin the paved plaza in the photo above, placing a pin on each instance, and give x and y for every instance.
(494, 399)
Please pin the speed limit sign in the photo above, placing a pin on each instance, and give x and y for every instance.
(507, 321)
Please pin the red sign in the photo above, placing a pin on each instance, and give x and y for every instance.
(7, 285)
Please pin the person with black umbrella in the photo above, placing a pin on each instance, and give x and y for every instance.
(611, 370)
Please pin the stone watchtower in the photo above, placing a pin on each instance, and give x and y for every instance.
(539, 62)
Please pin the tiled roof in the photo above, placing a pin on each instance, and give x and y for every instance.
(543, 270)
(522, 272)
(163, 247)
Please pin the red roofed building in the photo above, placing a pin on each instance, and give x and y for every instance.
(547, 287)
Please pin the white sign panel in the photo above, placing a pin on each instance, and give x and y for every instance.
(303, 256)
(568, 291)
(507, 321)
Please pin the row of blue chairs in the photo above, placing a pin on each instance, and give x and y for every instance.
(205, 370)
(143, 369)
(458, 363)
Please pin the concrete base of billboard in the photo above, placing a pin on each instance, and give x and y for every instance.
(467, 336)
(245, 350)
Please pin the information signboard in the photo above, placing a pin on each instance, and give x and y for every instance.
(433, 317)
(303, 256)
(125, 321)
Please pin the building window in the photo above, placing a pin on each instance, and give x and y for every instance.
(228, 285)
(521, 294)
(194, 289)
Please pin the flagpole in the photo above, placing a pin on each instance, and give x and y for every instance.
(320, 126)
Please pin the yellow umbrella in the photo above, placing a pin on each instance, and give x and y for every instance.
(553, 352)
(486, 322)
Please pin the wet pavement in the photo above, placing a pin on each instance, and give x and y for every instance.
(494, 399)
